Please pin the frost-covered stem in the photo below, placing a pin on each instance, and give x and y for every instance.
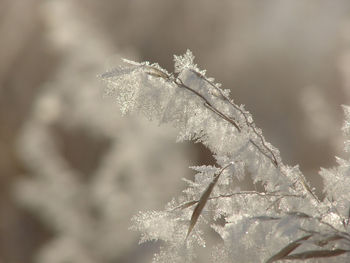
(177, 81)
(251, 125)
(256, 193)
(248, 123)
(207, 104)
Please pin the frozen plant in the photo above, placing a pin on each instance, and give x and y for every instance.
(284, 220)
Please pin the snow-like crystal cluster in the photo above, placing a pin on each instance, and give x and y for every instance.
(282, 220)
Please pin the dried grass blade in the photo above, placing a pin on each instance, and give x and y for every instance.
(317, 254)
(186, 205)
(331, 238)
(202, 201)
(287, 249)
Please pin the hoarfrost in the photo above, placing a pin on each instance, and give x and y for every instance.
(256, 225)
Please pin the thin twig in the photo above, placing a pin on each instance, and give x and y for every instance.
(193, 202)
(248, 123)
(207, 103)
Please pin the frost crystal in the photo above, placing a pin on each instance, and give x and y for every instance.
(186, 61)
(284, 219)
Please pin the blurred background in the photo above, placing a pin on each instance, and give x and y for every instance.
(73, 171)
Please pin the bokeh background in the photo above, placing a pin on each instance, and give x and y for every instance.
(73, 171)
